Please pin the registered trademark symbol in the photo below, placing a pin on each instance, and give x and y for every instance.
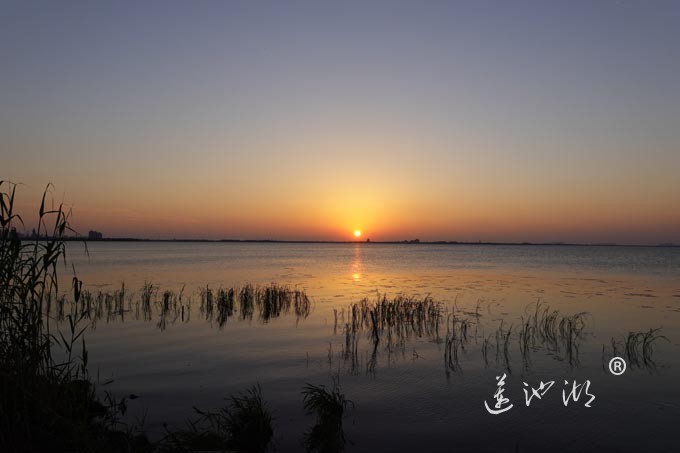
(617, 366)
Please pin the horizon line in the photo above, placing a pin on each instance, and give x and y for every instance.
(404, 242)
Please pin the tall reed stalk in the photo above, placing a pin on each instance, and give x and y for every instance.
(47, 402)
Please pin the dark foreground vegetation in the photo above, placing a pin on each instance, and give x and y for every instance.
(48, 401)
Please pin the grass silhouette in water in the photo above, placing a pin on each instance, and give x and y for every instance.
(327, 434)
(244, 425)
(637, 348)
(270, 302)
(456, 340)
(560, 334)
(387, 322)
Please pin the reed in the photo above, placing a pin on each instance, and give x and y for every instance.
(168, 312)
(328, 406)
(245, 424)
(225, 305)
(506, 347)
(273, 300)
(303, 305)
(246, 299)
(397, 319)
(649, 339)
(48, 401)
(388, 322)
(207, 302)
(526, 341)
(148, 292)
(547, 327)
(456, 339)
(350, 348)
(269, 302)
(486, 343)
(638, 348)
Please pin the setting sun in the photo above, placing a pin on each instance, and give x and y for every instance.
(357, 233)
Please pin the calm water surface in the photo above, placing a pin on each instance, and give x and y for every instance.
(406, 395)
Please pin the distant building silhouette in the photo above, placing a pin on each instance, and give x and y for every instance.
(94, 235)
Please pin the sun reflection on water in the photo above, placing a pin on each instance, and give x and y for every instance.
(357, 266)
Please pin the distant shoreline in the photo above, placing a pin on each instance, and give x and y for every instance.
(411, 242)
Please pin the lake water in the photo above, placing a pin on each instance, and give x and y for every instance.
(408, 392)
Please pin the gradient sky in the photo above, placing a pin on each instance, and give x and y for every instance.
(493, 121)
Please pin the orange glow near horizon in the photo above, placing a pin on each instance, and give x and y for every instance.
(388, 212)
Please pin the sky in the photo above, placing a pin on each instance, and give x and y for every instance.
(470, 121)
